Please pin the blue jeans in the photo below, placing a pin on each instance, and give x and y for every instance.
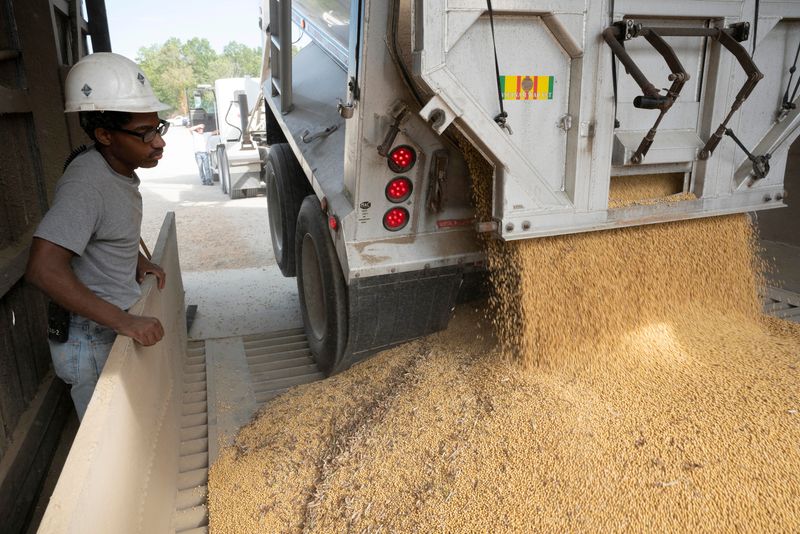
(205, 168)
(80, 360)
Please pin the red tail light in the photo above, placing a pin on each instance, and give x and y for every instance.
(399, 189)
(395, 219)
(402, 158)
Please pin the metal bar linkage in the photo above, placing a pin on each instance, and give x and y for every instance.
(730, 38)
(652, 98)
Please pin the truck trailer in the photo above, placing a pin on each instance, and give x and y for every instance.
(367, 186)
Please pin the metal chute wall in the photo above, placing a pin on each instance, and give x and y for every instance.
(120, 475)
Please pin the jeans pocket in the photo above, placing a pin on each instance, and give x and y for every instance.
(101, 348)
(65, 360)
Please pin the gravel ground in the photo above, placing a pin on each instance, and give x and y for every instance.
(225, 250)
(214, 232)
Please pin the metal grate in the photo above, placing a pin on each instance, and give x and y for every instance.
(782, 304)
(278, 361)
(191, 513)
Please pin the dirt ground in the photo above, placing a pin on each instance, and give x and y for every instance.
(227, 265)
(214, 232)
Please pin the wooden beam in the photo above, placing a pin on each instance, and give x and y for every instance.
(7, 55)
(98, 25)
(61, 5)
(14, 101)
(12, 262)
(25, 463)
(77, 35)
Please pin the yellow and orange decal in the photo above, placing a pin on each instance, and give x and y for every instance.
(527, 87)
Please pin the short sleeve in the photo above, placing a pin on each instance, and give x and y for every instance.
(73, 218)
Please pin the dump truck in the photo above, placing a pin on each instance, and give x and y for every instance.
(367, 186)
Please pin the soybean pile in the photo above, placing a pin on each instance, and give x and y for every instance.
(615, 381)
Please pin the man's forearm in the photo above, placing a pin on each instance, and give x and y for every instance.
(63, 286)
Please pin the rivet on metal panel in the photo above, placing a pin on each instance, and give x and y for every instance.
(526, 225)
(767, 198)
(778, 196)
(510, 227)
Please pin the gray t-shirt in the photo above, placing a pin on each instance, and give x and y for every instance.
(97, 214)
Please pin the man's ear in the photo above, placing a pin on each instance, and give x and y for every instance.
(103, 136)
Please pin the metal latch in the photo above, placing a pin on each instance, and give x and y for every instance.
(565, 122)
(307, 136)
(345, 110)
(388, 141)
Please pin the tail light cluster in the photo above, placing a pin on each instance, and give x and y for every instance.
(401, 159)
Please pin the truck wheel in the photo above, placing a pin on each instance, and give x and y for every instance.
(213, 162)
(287, 186)
(224, 169)
(320, 283)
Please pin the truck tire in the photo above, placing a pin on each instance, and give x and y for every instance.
(224, 169)
(287, 186)
(213, 162)
(321, 286)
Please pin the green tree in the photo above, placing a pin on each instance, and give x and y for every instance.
(199, 55)
(246, 61)
(175, 68)
(167, 71)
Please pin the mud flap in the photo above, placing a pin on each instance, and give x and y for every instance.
(387, 310)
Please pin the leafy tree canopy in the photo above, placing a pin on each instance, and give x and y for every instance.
(176, 68)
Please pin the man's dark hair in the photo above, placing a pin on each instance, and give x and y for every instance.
(110, 120)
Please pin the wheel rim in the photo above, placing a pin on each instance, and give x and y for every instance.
(313, 294)
(273, 207)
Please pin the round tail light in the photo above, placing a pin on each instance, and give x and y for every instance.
(395, 219)
(402, 158)
(399, 189)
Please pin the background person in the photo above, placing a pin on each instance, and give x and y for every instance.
(200, 140)
(85, 253)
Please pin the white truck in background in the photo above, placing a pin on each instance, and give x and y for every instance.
(235, 158)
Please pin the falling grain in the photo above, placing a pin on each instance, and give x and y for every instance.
(615, 381)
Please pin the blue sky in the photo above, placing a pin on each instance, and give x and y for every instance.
(133, 24)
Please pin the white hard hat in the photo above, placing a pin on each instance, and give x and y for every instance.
(109, 82)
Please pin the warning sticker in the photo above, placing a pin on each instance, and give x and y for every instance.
(527, 87)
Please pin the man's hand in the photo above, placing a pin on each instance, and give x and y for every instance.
(144, 330)
(145, 267)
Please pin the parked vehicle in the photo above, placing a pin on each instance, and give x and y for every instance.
(235, 159)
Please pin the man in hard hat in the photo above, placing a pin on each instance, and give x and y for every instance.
(85, 252)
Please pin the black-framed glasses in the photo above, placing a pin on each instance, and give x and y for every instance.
(149, 135)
